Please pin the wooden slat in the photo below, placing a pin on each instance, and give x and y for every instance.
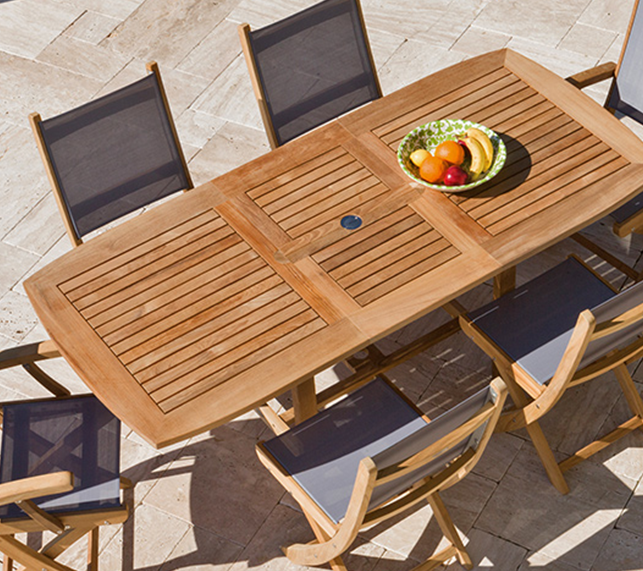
(419, 268)
(148, 321)
(558, 194)
(165, 240)
(283, 339)
(203, 364)
(134, 302)
(178, 323)
(233, 328)
(158, 273)
(297, 171)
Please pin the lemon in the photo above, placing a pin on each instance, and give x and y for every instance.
(418, 157)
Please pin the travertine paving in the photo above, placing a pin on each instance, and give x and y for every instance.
(207, 503)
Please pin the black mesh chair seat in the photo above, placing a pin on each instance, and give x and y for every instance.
(534, 323)
(323, 453)
(311, 67)
(628, 210)
(76, 434)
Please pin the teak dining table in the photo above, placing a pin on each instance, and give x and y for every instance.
(210, 304)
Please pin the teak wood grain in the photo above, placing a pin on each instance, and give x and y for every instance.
(220, 299)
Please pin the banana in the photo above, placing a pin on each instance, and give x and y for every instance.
(478, 157)
(486, 143)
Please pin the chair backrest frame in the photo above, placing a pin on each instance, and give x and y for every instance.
(613, 99)
(35, 121)
(245, 32)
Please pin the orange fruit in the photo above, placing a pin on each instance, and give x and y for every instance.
(432, 169)
(451, 152)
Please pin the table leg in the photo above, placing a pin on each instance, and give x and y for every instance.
(504, 282)
(304, 400)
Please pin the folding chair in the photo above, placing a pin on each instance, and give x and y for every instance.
(373, 455)
(310, 68)
(112, 156)
(59, 472)
(626, 97)
(561, 329)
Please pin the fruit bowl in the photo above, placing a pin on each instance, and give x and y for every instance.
(432, 134)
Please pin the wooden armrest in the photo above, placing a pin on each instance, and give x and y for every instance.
(36, 486)
(25, 354)
(593, 75)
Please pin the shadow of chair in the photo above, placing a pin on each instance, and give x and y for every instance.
(59, 472)
(310, 68)
(626, 97)
(559, 330)
(105, 159)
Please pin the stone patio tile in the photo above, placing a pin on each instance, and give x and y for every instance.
(214, 480)
(527, 510)
(92, 27)
(181, 88)
(412, 61)
(60, 247)
(621, 551)
(120, 9)
(490, 553)
(230, 96)
(38, 231)
(475, 41)
(385, 15)
(20, 169)
(539, 20)
(383, 45)
(34, 86)
(260, 13)
(201, 550)
(285, 526)
(214, 53)
(167, 31)
(196, 128)
(588, 40)
(498, 456)
(14, 263)
(562, 62)
(632, 517)
(80, 57)
(232, 146)
(17, 317)
(451, 385)
(144, 541)
(28, 26)
(540, 562)
(611, 15)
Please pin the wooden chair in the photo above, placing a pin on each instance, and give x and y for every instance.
(559, 330)
(59, 472)
(373, 455)
(310, 68)
(626, 97)
(112, 156)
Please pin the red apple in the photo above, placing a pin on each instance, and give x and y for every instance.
(455, 176)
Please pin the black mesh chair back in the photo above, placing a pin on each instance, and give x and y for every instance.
(310, 68)
(78, 435)
(626, 94)
(112, 155)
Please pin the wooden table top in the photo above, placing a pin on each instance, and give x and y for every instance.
(206, 306)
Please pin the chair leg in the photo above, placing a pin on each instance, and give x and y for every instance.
(448, 529)
(336, 564)
(92, 550)
(629, 390)
(538, 439)
(7, 562)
